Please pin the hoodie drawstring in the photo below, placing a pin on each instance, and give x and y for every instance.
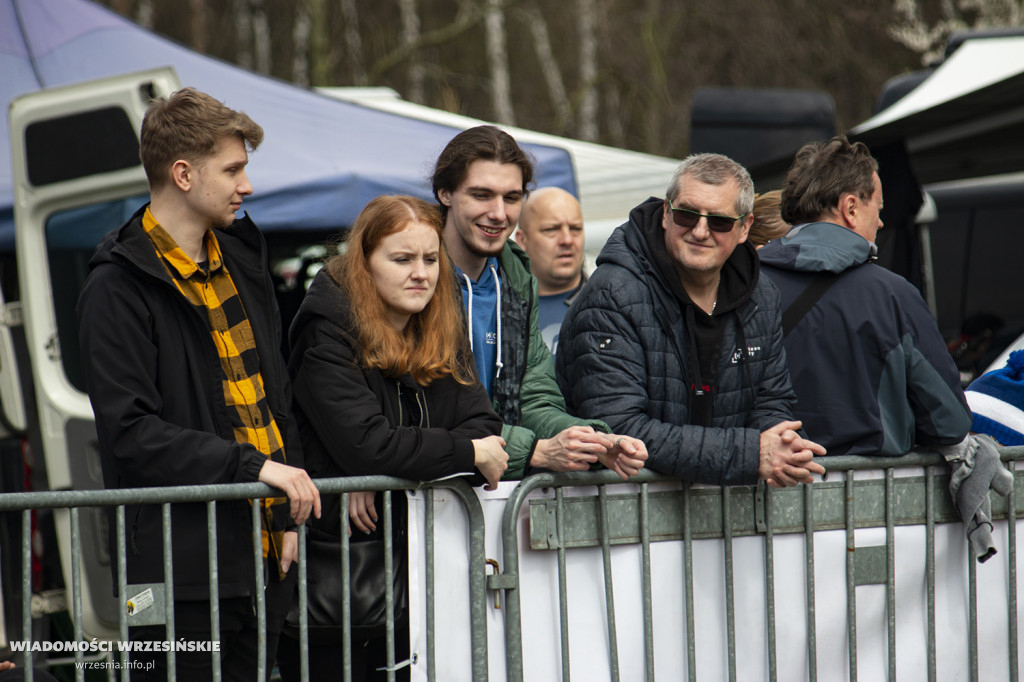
(497, 361)
(469, 308)
(498, 364)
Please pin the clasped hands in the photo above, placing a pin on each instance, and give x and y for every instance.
(787, 459)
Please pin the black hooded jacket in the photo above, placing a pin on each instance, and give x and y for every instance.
(627, 355)
(360, 422)
(155, 381)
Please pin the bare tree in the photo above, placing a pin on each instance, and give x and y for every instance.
(466, 18)
(928, 38)
(197, 24)
(144, 13)
(241, 11)
(538, 25)
(411, 37)
(301, 36)
(353, 41)
(321, 53)
(262, 46)
(587, 11)
(497, 62)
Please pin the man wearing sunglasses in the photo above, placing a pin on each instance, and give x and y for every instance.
(869, 333)
(676, 341)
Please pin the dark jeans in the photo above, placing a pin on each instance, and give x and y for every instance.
(239, 633)
(238, 643)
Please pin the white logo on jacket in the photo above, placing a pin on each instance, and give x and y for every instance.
(738, 353)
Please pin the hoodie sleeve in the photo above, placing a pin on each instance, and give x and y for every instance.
(603, 368)
(543, 406)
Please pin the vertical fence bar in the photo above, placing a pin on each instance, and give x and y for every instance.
(972, 600)
(429, 544)
(26, 589)
(346, 594)
(513, 607)
(169, 587)
(929, 507)
(812, 617)
(122, 589)
(890, 568)
(730, 597)
(563, 584)
(691, 637)
(478, 575)
(261, 602)
(769, 582)
(609, 590)
(214, 568)
(851, 588)
(1011, 551)
(389, 588)
(76, 590)
(303, 536)
(645, 544)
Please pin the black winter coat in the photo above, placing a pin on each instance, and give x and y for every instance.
(359, 422)
(155, 381)
(623, 357)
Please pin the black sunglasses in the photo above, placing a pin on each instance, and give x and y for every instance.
(684, 217)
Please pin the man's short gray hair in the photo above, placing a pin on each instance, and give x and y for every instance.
(715, 169)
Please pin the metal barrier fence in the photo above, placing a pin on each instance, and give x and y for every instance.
(163, 611)
(563, 523)
(603, 521)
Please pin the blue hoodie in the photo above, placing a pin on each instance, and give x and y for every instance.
(481, 301)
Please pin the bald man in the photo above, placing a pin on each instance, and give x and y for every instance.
(551, 233)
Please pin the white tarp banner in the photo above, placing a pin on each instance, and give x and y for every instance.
(538, 587)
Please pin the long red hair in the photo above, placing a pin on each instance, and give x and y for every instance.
(433, 343)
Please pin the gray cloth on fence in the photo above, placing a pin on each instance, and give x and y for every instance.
(976, 469)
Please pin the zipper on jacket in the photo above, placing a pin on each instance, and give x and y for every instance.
(424, 415)
(398, 385)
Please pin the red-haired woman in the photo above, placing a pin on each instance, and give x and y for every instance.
(382, 375)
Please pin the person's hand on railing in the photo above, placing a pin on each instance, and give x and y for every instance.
(786, 458)
(490, 459)
(297, 485)
(573, 449)
(289, 550)
(362, 512)
(626, 456)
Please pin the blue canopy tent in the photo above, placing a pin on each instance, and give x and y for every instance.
(322, 159)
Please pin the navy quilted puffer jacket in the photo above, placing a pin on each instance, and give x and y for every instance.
(625, 356)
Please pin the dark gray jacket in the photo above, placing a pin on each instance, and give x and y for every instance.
(870, 368)
(623, 357)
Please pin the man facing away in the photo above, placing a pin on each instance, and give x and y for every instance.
(551, 233)
(675, 339)
(180, 339)
(480, 180)
(871, 371)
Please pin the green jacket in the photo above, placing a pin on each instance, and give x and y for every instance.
(526, 394)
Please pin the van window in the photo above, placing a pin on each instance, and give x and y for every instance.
(71, 238)
(80, 145)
